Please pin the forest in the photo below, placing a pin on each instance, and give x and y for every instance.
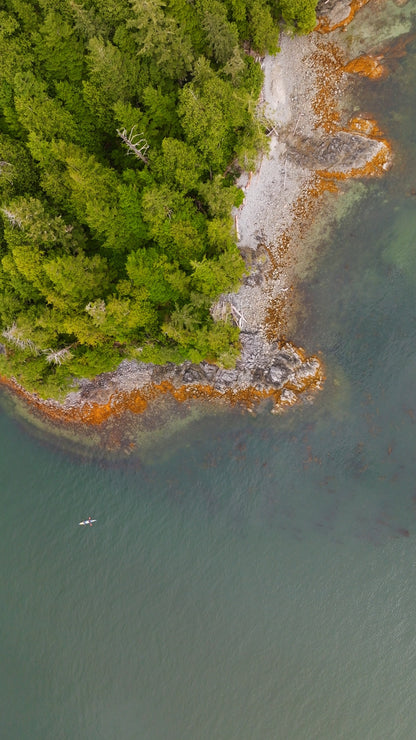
(124, 125)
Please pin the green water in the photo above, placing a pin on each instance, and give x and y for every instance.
(248, 577)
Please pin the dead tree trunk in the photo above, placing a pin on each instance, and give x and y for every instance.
(134, 143)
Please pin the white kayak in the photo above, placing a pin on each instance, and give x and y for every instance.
(87, 521)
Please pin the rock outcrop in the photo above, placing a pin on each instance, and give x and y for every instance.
(263, 369)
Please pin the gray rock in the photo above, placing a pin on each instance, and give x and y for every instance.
(193, 374)
(210, 371)
(342, 152)
(262, 365)
(226, 379)
(335, 11)
(278, 374)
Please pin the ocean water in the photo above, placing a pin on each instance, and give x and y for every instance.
(248, 577)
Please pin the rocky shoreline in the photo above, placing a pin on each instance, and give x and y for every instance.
(314, 143)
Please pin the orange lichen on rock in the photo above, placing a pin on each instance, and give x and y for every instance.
(324, 24)
(365, 125)
(330, 66)
(136, 401)
(250, 396)
(95, 413)
(367, 66)
(375, 167)
(88, 413)
(277, 317)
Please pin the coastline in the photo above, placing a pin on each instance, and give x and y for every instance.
(315, 143)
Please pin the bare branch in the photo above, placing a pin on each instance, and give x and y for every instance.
(13, 219)
(15, 336)
(237, 316)
(134, 143)
(58, 356)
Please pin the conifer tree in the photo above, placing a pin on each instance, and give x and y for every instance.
(123, 124)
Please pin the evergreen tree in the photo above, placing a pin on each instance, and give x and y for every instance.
(122, 126)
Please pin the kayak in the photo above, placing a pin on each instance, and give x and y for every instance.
(87, 521)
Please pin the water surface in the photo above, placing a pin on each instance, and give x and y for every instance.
(248, 576)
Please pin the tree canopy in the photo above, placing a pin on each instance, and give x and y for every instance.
(123, 126)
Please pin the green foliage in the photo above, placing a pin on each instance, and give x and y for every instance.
(179, 164)
(219, 198)
(38, 112)
(18, 172)
(221, 35)
(159, 353)
(265, 33)
(163, 280)
(76, 279)
(202, 340)
(58, 49)
(298, 15)
(215, 276)
(122, 128)
(160, 39)
(214, 114)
